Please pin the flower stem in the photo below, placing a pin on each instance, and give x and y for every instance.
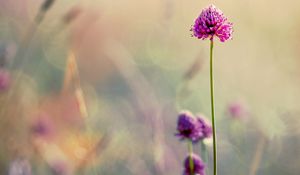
(190, 148)
(212, 107)
(258, 155)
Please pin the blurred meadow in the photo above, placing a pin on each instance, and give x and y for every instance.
(94, 87)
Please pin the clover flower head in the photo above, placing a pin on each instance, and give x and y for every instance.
(192, 128)
(210, 23)
(198, 168)
(187, 126)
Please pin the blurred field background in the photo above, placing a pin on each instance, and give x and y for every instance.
(94, 86)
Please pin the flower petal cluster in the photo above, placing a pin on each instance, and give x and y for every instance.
(192, 128)
(198, 168)
(210, 23)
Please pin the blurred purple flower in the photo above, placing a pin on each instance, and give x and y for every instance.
(237, 110)
(40, 128)
(192, 128)
(204, 127)
(19, 167)
(187, 126)
(212, 22)
(43, 127)
(199, 166)
(4, 79)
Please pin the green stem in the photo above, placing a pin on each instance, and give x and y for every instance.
(212, 107)
(190, 148)
(258, 155)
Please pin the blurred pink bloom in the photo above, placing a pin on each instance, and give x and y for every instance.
(237, 110)
(4, 79)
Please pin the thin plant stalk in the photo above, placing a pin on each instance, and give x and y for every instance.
(209, 24)
(212, 107)
(24, 45)
(31, 31)
(191, 163)
(257, 155)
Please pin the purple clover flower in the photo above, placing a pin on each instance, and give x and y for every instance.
(198, 168)
(192, 128)
(212, 22)
(187, 126)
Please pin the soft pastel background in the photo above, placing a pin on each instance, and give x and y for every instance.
(96, 87)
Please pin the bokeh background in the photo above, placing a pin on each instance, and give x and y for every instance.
(94, 86)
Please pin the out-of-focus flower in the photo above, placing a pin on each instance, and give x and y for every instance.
(237, 110)
(203, 127)
(187, 126)
(43, 127)
(198, 168)
(4, 79)
(212, 22)
(19, 167)
(192, 128)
